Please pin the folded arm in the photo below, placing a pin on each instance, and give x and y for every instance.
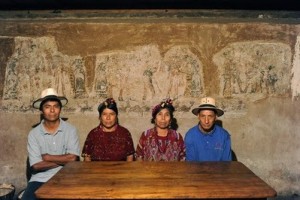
(53, 161)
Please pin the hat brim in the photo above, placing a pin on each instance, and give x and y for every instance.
(37, 103)
(219, 112)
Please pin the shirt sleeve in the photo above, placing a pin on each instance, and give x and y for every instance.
(182, 153)
(34, 152)
(87, 147)
(130, 146)
(73, 143)
(190, 149)
(140, 147)
(227, 149)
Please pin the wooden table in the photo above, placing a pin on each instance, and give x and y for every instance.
(155, 180)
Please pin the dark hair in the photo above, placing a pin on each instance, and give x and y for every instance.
(108, 103)
(168, 104)
(50, 99)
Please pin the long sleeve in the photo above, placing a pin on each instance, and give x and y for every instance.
(227, 149)
(190, 149)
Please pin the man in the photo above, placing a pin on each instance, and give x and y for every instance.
(207, 141)
(51, 144)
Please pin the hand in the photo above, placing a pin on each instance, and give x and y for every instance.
(46, 157)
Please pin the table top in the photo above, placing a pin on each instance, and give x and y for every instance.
(154, 180)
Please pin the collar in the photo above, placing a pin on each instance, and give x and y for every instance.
(101, 128)
(45, 132)
(209, 133)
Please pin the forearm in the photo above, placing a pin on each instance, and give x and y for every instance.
(60, 159)
(43, 166)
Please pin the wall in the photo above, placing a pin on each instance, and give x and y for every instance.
(248, 61)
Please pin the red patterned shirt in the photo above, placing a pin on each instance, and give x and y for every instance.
(152, 147)
(108, 146)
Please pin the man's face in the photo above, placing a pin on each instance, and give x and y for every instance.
(207, 119)
(108, 119)
(51, 110)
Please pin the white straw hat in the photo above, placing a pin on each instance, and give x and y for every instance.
(49, 93)
(208, 103)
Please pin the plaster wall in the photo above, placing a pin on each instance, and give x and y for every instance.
(251, 67)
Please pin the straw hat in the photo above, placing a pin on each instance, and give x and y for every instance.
(208, 103)
(49, 93)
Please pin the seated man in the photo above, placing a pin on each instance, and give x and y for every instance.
(51, 144)
(207, 141)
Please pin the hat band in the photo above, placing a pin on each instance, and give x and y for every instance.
(50, 96)
(207, 105)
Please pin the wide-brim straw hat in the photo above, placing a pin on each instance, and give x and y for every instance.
(208, 103)
(49, 93)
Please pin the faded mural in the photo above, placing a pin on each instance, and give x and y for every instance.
(256, 69)
(135, 78)
(132, 77)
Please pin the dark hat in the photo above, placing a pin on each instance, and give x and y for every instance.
(49, 93)
(167, 103)
(208, 103)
